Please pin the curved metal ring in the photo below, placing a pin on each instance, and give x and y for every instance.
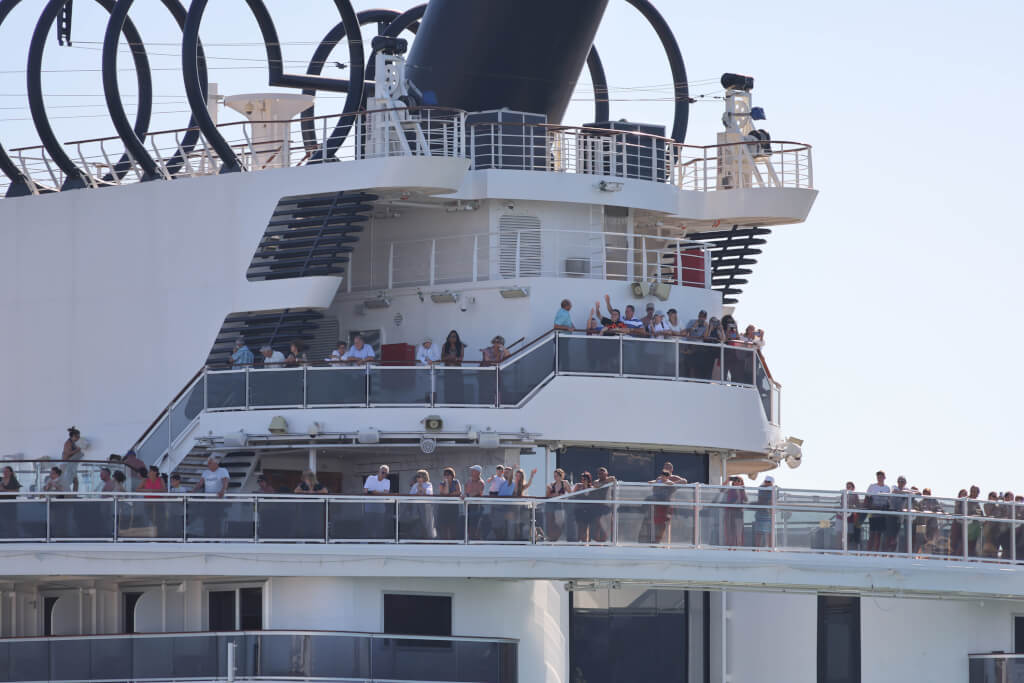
(675, 61)
(197, 99)
(602, 110)
(133, 138)
(323, 51)
(20, 184)
(75, 178)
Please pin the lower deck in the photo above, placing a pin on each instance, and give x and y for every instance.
(461, 630)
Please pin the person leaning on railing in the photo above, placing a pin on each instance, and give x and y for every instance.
(8, 481)
(563, 321)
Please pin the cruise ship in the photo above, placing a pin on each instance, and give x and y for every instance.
(278, 339)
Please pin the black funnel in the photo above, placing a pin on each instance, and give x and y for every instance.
(526, 55)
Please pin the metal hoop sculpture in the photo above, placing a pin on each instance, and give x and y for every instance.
(602, 111)
(675, 62)
(382, 17)
(20, 184)
(197, 99)
(133, 138)
(75, 178)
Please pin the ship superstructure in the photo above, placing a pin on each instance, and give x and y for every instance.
(448, 195)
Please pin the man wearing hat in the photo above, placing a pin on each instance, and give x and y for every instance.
(241, 355)
(648, 319)
(475, 486)
(427, 353)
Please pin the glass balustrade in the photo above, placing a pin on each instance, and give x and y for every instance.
(400, 385)
(625, 514)
(335, 387)
(269, 655)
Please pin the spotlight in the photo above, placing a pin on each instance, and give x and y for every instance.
(638, 290)
(433, 423)
(609, 186)
(278, 425)
(367, 436)
(314, 430)
(380, 302)
(444, 297)
(661, 290)
(515, 293)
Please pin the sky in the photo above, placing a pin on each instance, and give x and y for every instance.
(890, 315)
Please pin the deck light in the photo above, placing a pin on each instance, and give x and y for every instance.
(367, 436)
(379, 302)
(278, 425)
(661, 290)
(638, 290)
(444, 297)
(515, 292)
(489, 440)
(433, 423)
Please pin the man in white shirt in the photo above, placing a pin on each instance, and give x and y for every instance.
(378, 484)
(427, 353)
(271, 358)
(877, 499)
(214, 480)
(360, 353)
(380, 517)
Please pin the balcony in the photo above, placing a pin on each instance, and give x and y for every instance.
(259, 655)
(431, 131)
(530, 253)
(996, 668)
(633, 515)
(508, 385)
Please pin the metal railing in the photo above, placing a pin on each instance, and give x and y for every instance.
(259, 655)
(642, 156)
(996, 667)
(434, 131)
(507, 385)
(417, 131)
(32, 475)
(621, 514)
(525, 253)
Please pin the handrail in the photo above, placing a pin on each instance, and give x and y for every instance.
(694, 516)
(262, 632)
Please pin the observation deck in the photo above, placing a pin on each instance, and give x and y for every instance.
(633, 162)
(690, 535)
(742, 395)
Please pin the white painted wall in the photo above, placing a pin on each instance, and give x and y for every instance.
(534, 612)
(112, 298)
(929, 640)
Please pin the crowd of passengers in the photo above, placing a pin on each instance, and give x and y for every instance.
(699, 362)
(870, 524)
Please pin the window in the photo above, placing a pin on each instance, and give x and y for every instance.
(48, 604)
(838, 639)
(129, 600)
(235, 609)
(632, 465)
(629, 634)
(418, 615)
(1018, 635)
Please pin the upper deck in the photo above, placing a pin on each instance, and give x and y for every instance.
(622, 167)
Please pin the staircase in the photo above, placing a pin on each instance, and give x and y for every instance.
(239, 464)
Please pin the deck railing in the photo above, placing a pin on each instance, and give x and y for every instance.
(433, 131)
(623, 514)
(259, 655)
(525, 253)
(508, 385)
(996, 667)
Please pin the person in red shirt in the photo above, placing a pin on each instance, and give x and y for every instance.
(153, 482)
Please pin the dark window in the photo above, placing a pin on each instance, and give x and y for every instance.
(48, 604)
(1018, 635)
(626, 635)
(250, 613)
(418, 615)
(130, 600)
(222, 611)
(838, 639)
(632, 465)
